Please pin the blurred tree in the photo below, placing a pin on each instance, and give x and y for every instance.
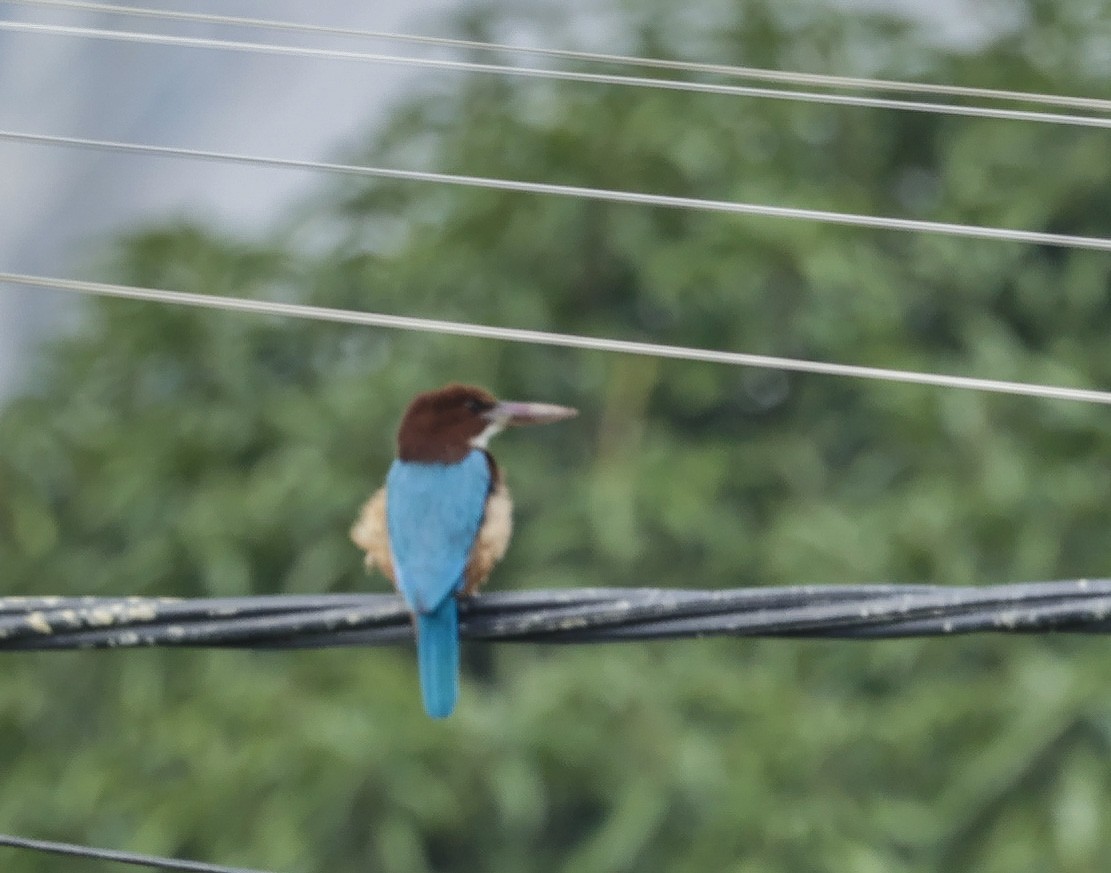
(176, 452)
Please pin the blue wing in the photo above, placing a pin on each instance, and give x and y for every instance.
(433, 513)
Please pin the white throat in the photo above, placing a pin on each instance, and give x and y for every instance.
(492, 429)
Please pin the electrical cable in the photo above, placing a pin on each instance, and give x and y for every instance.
(848, 219)
(741, 72)
(561, 75)
(134, 858)
(537, 337)
(587, 615)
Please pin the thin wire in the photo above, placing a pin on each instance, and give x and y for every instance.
(740, 72)
(599, 194)
(564, 340)
(561, 75)
(133, 858)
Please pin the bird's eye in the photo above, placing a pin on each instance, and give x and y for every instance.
(474, 404)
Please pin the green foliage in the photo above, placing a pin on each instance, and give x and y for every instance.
(176, 452)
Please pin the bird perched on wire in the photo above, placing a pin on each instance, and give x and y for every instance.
(444, 518)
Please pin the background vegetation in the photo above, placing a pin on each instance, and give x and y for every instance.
(175, 452)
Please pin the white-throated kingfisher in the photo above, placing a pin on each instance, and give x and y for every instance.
(444, 518)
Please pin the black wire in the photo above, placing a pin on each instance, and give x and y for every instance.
(587, 615)
(152, 861)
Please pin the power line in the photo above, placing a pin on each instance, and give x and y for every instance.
(731, 70)
(587, 615)
(537, 337)
(600, 194)
(134, 858)
(577, 615)
(562, 75)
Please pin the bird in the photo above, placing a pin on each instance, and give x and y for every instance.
(444, 518)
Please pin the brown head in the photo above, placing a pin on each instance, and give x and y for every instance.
(442, 426)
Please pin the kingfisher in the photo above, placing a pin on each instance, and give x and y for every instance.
(443, 519)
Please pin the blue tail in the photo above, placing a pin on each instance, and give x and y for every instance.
(438, 658)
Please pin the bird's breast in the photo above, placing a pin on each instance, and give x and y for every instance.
(493, 537)
(371, 534)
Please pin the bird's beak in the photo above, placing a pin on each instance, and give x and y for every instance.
(509, 413)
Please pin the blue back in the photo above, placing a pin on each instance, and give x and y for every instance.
(433, 512)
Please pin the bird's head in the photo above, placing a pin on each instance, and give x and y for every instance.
(442, 426)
